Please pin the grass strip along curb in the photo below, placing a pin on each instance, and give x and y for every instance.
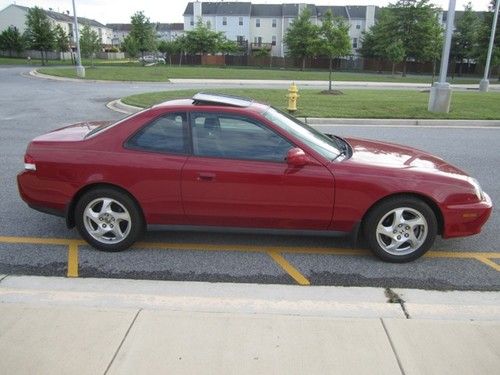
(353, 103)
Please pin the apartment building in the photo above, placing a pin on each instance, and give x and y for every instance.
(15, 15)
(264, 25)
(164, 31)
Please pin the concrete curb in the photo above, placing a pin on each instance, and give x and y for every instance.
(36, 74)
(118, 106)
(327, 301)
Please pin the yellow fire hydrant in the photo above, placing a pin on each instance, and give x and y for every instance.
(293, 96)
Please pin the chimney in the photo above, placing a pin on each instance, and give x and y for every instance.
(370, 17)
(197, 11)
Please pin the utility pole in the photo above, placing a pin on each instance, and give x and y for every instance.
(440, 97)
(484, 85)
(80, 70)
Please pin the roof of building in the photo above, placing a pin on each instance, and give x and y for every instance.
(267, 10)
(221, 8)
(277, 10)
(64, 17)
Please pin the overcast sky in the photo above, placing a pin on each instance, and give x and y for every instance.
(107, 11)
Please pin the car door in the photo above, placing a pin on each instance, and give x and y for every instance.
(155, 155)
(238, 176)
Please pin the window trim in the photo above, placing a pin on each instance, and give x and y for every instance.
(188, 146)
(241, 116)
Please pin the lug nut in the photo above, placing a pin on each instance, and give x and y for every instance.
(111, 225)
(407, 227)
(100, 218)
(104, 225)
(395, 232)
(407, 235)
(399, 237)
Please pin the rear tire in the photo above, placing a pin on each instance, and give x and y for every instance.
(400, 229)
(108, 219)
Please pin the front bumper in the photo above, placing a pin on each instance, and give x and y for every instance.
(466, 219)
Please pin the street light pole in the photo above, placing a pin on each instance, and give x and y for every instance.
(440, 97)
(484, 85)
(80, 70)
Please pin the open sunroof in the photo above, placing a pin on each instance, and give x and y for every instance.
(221, 99)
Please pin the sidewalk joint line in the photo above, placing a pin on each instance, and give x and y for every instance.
(393, 347)
(122, 342)
(3, 278)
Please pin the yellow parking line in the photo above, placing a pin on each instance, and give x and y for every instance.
(73, 259)
(484, 257)
(489, 262)
(288, 268)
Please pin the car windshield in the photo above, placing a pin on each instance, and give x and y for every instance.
(318, 141)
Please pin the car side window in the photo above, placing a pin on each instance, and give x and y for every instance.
(236, 137)
(166, 134)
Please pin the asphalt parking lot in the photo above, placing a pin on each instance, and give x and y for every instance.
(38, 244)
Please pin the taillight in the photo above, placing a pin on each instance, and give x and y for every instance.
(29, 163)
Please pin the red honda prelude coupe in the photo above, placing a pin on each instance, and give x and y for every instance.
(221, 161)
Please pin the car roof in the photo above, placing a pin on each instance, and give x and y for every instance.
(215, 101)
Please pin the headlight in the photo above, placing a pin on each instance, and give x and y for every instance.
(477, 188)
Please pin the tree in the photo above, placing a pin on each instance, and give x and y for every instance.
(130, 46)
(168, 48)
(413, 22)
(333, 41)
(143, 33)
(39, 33)
(11, 40)
(227, 47)
(434, 48)
(395, 52)
(62, 39)
(181, 47)
(302, 37)
(90, 43)
(465, 36)
(202, 39)
(261, 54)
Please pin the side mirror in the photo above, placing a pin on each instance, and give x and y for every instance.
(297, 157)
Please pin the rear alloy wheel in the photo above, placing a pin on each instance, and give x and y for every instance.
(400, 229)
(108, 219)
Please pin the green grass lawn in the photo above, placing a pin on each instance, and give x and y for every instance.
(135, 72)
(355, 103)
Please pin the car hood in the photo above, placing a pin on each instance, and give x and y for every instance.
(391, 155)
(75, 132)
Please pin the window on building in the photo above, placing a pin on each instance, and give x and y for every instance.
(354, 42)
(224, 21)
(240, 21)
(274, 40)
(191, 21)
(358, 26)
(257, 22)
(274, 22)
(240, 39)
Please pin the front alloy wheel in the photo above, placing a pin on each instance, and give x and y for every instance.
(400, 229)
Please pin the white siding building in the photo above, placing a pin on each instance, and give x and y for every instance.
(15, 15)
(264, 25)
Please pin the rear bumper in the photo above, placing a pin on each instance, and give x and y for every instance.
(39, 196)
(466, 219)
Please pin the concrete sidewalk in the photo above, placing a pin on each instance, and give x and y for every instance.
(57, 325)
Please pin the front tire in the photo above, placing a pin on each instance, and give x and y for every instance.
(108, 219)
(400, 229)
